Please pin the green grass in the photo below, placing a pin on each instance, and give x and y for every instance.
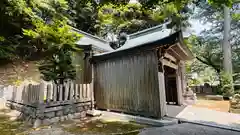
(8, 127)
(103, 127)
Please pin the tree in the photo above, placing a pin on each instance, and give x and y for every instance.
(207, 51)
(17, 15)
(213, 14)
(40, 27)
(60, 41)
(118, 16)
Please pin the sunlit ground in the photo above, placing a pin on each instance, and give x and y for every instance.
(222, 106)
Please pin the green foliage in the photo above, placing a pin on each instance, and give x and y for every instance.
(193, 82)
(207, 50)
(236, 16)
(58, 42)
(59, 67)
(115, 16)
(40, 28)
(134, 17)
(207, 46)
(19, 15)
(226, 85)
(221, 2)
(53, 36)
(83, 15)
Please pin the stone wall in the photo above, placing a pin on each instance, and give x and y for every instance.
(17, 72)
(235, 104)
(36, 117)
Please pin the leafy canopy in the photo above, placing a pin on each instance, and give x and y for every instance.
(41, 27)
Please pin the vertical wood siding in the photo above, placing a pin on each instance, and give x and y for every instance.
(83, 68)
(128, 84)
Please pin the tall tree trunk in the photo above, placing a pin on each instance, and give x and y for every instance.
(227, 50)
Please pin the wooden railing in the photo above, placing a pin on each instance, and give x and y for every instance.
(47, 101)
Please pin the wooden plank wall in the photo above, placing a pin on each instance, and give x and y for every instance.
(83, 68)
(128, 84)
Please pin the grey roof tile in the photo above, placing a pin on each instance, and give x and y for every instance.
(95, 41)
(143, 37)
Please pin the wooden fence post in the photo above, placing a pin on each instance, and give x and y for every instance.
(76, 91)
(49, 92)
(54, 92)
(60, 88)
(66, 89)
(71, 91)
(40, 106)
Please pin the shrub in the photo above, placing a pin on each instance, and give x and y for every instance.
(227, 88)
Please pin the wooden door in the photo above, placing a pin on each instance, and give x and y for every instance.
(171, 87)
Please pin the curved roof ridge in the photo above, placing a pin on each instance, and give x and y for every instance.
(147, 31)
(90, 35)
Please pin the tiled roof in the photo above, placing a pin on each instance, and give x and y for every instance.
(143, 37)
(95, 41)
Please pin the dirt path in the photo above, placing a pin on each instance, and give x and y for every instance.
(222, 106)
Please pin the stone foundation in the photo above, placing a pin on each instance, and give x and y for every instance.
(45, 116)
(235, 104)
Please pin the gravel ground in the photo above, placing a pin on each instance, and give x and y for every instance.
(180, 129)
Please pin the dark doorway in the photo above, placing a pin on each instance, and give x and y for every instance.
(170, 85)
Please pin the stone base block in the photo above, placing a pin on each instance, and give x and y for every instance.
(94, 113)
(214, 97)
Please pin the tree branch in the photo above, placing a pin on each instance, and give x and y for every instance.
(209, 63)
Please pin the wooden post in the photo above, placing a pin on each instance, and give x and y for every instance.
(76, 91)
(92, 85)
(184, 80)
(179, 85)
(41, 92)
(60, 88)
(84, 91)
(49, 93)
(162, 93)
(54, 92)
(66, 88)
(71, 91)
(40, 107)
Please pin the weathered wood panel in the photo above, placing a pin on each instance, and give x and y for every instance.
(162, 94)
(179, 86)
(83, 67)
(128, 84)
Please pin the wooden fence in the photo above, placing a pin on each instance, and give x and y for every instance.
(47, 101)
(204, 89)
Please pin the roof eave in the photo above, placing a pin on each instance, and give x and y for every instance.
(190, 55)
